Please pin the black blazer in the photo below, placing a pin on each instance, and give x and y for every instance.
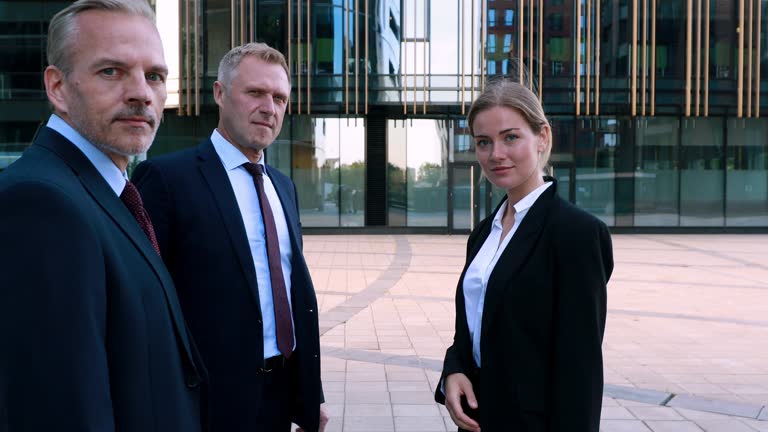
(93, 336)
(204, 244)
(543, 322)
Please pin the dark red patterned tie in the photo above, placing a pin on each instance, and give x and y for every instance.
(283, 323)
(132, 200)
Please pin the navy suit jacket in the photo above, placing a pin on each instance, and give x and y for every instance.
(543, 322)
(92, 334)
(202, 235)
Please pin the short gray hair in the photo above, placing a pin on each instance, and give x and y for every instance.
(63, 25)
(262, 51)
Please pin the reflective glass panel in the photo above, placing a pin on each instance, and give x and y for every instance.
(656, 173)
(747, 175)
(701, 173)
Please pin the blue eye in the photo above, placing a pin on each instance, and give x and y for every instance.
(482, 142)
(154, 76)
(510, 137)
(109, 71)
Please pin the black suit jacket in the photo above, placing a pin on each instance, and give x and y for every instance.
(93, 336)
(201, 233)
(543, 322)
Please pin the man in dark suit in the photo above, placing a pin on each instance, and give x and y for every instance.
(228, 225)
(92, 332)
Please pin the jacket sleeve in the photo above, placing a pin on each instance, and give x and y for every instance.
(53, 364)
(157, 200)
(456, 354)
(583, 265)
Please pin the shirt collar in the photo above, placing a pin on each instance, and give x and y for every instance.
(230, 156)
(523, 205)
(103, 164)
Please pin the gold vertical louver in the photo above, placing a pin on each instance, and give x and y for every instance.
(299, 55)
(189, 61)
(633, 72)
(309, 56)
(588, 31)
(697, 58)
(643, 45)
(288, 44)
(425, 61)
(541, 49)
(461, 60)
(365, 84)
(750, 27)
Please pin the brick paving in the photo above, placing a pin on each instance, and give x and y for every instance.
(686, 345)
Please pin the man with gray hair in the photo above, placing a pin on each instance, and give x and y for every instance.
(93, 335)
(228, 226)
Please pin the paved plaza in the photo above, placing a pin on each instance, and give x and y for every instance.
(686, 345)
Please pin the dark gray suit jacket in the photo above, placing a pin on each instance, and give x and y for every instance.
(92, 333)
(201, 233)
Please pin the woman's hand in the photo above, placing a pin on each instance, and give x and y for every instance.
(456, 386)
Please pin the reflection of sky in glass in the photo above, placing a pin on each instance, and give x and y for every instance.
(341, 134)
(167, 17)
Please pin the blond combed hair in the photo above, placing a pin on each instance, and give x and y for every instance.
(63, 26)
(262, 51)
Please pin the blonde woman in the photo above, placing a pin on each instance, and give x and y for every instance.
(531, 300)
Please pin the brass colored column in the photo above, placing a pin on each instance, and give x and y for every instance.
(346, 56)
(698, 56)
(706, 59)
(242, 22)
(644, 59)
(309, 56)
(530, 44)
(588, 58)
(415, 30)
(483, 39)
(357, 55)
(577, 61)
(757, 72)
(472, 52)
(425, 61)
(196, 58)
(597, 60)
(633, 92)
(298, 56)
(404, 65)
(188, 55)
(740, 79)
(290, 40)
(461, 60)
(521, 9)
(750, 18)
(232, 25)
(688, 42)
(541, 47)
(653, 57)
(365, 84)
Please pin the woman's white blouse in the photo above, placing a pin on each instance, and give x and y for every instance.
(479, 271)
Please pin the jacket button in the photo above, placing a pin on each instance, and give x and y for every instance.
(193, 381)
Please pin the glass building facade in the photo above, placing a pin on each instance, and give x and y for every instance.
(658, 107)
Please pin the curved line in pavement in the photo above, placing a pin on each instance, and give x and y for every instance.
(359, 301)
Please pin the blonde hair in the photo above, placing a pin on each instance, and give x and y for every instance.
(513, 95)
(63, 26)
(262, 51)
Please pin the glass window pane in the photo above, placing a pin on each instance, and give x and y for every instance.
(594, 168)
(701, 173)
(747, 175)
(427, 175)
(351, 136)
(314, 173)
(656, 174)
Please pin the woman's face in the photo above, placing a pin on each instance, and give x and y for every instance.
(508, 150)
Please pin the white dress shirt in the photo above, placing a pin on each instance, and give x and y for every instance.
(248, 202)
(104, 165)
(479, 271)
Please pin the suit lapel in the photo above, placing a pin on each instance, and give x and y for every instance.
(221, 190)
(105, 197)
(515, 255)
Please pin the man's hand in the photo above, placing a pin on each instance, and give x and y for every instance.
(456, 386)
(323, 420)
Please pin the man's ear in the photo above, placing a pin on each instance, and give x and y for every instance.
(55, 89)
(218, 92)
